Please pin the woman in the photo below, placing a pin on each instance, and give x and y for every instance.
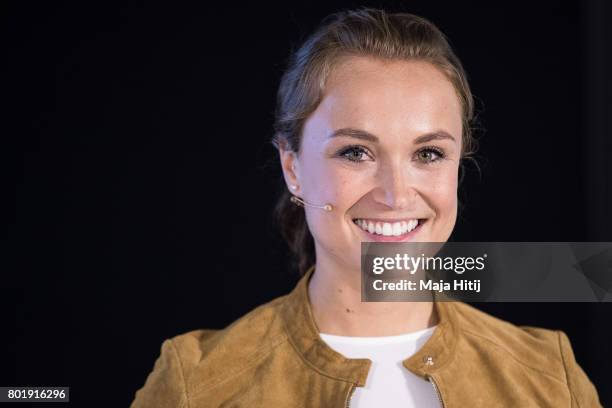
(373, 121)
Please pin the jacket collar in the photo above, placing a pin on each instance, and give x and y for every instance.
(303, 333)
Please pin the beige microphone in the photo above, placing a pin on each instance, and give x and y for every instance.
(299, 201)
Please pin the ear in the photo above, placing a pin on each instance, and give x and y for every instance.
(290, 166)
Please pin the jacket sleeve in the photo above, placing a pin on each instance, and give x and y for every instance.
(165, 385)
(582, 390)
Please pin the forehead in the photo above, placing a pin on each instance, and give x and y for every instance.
(388, 98)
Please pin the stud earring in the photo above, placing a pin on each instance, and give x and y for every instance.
(293, 187)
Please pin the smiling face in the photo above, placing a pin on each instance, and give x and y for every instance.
(383, 147)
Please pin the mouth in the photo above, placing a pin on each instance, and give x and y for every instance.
(390, 230)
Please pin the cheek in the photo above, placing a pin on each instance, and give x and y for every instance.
(329, 184)
(444, 194)
(332, 183)
(347, 189)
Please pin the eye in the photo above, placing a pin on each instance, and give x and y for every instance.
(354, 153)
(429, 155)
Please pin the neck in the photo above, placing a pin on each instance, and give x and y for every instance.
(335, 298)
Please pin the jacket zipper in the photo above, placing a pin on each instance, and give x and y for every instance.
(348, 397)
(433, 383)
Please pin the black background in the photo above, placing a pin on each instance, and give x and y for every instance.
(141, 181)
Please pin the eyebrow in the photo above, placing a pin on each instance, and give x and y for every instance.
(365, 135)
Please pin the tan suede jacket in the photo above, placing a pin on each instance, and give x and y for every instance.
(273, 357)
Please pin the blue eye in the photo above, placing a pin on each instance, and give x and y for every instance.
(354, 153)
(429, 155)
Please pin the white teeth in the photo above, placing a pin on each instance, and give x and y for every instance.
(413, 224)
(397, 228)
(387, 228)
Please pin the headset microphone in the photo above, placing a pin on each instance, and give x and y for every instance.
(299, 201)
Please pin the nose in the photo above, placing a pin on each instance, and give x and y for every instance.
(396, 186)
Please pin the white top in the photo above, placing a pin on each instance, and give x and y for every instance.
(389, 383)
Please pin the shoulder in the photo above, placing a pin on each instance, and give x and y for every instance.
(545, 351)
(247, 338)
(191, 361)
(526, 342)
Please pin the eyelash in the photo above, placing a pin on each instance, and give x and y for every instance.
(428, 149)
(432, 149)
(344, 152)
